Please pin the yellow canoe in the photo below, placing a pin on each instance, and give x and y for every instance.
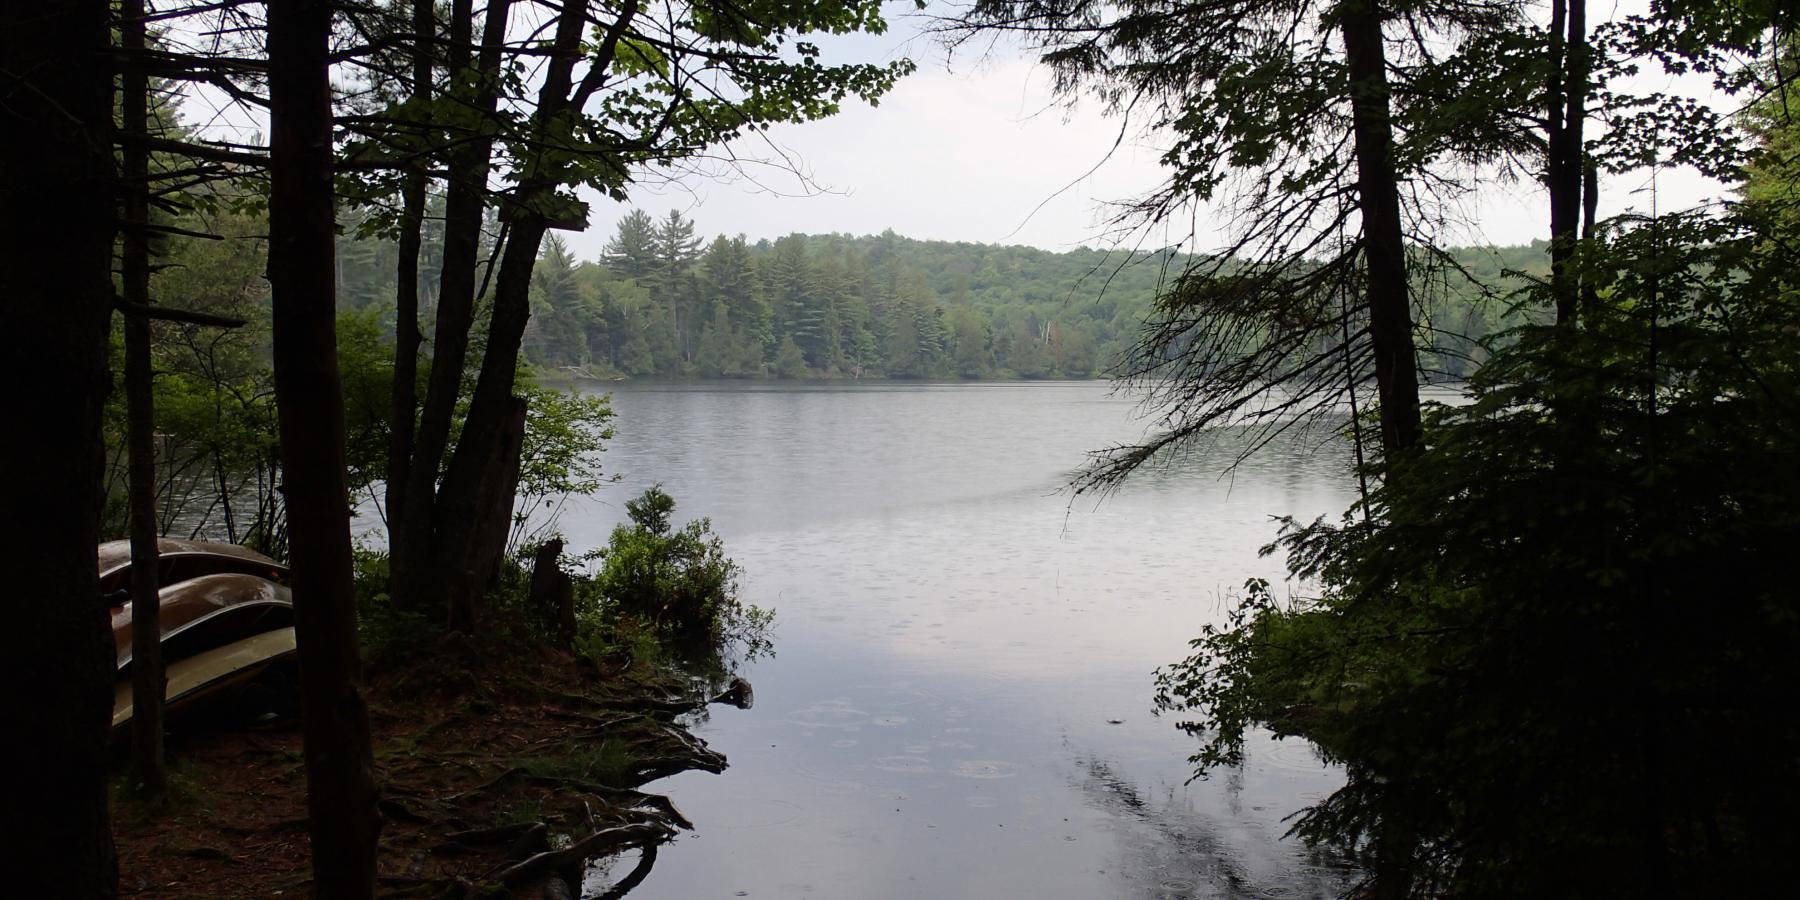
(205, 673)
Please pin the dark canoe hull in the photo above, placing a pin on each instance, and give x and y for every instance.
(179, 560)
(207, 612)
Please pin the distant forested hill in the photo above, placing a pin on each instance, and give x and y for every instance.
(661, 302)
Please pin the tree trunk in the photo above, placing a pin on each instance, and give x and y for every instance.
(147, 769)
(471, 522)
(407, 338)
(460, 515)
(1590, 208)
(472, 554)
(1384, 244)
(309, 402)
(56, 652)
(413, 542)
(1565, 166)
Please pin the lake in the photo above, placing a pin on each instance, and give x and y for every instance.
(959, 700)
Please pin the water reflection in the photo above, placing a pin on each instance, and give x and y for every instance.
(960, 705)
(1167, 851)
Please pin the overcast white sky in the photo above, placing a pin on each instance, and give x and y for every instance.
(975, 149)
(972, 152)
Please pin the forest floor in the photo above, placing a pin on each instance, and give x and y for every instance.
(499, 776)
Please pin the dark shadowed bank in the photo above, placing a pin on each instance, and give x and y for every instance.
(504, 761)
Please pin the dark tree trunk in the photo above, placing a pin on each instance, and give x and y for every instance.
(465, 532)
(1590, 208)
(147, 770)
(472, 555)
(56, 239)
(1384, 244)
(474, 510)
(1565, 166)
(413, 542)
(1390, 309)
(407, 337)
(309, 401)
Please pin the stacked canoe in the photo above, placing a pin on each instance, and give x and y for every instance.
(225, 618)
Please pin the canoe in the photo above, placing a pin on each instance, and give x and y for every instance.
(207, 612)
(213, 671)
(179, 560)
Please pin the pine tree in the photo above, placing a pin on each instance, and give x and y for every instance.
(728, 277)
(554, 335)
(632, 251)
(676, 249)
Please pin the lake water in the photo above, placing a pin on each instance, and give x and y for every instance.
(959, 704)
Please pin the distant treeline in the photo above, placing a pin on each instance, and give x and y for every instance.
(662, 303)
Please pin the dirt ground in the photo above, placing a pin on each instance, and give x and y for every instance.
(494, 777)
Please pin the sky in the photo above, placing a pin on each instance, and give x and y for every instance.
(975, 148)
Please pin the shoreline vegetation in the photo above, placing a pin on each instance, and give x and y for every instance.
(1548, 617)
(517, 772)
(507, 760)
(656, 304)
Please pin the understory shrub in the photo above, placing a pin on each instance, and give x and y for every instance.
(675, 584)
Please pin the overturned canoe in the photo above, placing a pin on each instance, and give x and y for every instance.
(213, 671)
(207, 612)
(179, 560)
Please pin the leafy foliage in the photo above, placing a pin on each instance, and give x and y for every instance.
(1550, 652)
(565, 433)
(678, 582)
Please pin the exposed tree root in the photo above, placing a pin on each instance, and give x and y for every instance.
(506, 789)
(604, 842)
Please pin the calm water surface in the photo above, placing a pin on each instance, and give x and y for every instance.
(959, 704)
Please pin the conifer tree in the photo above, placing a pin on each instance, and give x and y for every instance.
(632, 251)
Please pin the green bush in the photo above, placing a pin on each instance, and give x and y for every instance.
(677, 583)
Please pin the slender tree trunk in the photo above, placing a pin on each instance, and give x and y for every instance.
(1390, 309)
(309, 402)
(406, 301)
(416, 581)
(56, 240)
(147, 771)
(1565, 166)
(480, 456)
(1590, 208)
(470, 524)
(1384, 244)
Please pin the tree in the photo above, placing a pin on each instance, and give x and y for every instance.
(557, 332)
(340, 793)
(407, 335)
(1524, 640)
(789, 362)
(676, 250)
(974, 342)
(56, 660)
(148, 775)
(1526, 652)
(728, 277)
(632, 252)
(1285, 112)
(791, 282)
(631, 96)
